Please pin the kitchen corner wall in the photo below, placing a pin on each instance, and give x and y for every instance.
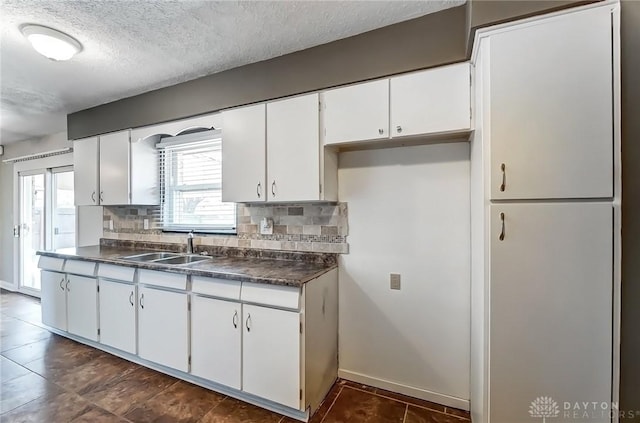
(321, 228)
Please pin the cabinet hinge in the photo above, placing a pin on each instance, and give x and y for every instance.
(98, 332)
(319, 106)
(189, 360)
(300, 394)
(320, 188)
(129, 196)
(300, 327)
(189, 306)
(98, 288)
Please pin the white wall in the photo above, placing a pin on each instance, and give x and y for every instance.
(17, 149)
(408, 214)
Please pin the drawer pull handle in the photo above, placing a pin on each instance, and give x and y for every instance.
(67, 285)
(102, 196)
(235, 319)
(504, 177)
(61, 282)
(93, 196)
(131, 298)
(247, 323)
(259, 189)
(141, 300)
(501, 237)
(273, 188)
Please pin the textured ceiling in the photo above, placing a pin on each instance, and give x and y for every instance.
(131, 47)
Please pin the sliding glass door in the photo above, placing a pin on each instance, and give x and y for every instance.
(47, 219)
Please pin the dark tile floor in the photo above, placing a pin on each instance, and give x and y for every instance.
(48, 378)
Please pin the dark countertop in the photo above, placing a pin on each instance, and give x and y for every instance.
(246, 269)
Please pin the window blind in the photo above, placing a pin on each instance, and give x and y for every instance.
(191, 184)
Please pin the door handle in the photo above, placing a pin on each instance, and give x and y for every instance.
(501, 237)
(235, 319)
(131, 298)
(141, 300)
(247, 322)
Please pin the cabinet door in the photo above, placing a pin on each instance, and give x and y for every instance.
(293, 149)
(551, 306)
(271, 354)
(243, 154)
(216, 331)
(118, 315)
(114, 168)
(53, 298)
(163, 327)
(85, 172)
(431, 101)
(551, 109)
(356, 113)
(82, 306)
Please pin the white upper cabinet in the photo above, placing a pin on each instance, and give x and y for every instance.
(551, 109)
(85, 172)
(114, 168)
(432, 101)
(244, 154)
(356, 113)
(293, 149)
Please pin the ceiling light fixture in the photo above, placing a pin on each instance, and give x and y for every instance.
(51, 43)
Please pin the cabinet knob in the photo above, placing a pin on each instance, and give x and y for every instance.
(398, 129)
(380, 131)
(504, 177)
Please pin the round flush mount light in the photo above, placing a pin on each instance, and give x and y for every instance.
(51, 43)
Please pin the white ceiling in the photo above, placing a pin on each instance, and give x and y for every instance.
(134, 46)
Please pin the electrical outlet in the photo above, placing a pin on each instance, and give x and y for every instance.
(394, 281)
(145, 223)
(111, 225)
(266, 226)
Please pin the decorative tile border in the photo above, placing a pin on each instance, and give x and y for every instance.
(297, 227)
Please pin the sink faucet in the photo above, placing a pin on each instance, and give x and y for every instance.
(190, 242)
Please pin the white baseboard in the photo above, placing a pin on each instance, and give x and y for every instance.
(8, 286)
(411, 391)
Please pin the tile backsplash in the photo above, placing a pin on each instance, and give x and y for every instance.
(296, 227)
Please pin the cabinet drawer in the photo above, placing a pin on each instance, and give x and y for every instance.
(51, 263)
(271, 295)
(163, 279)
(120, 273)
(221, 288)
(77, 267)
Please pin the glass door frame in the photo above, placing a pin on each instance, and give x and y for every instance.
(24, 167)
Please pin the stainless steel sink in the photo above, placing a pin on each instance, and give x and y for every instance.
(151, 256)
(182, 260)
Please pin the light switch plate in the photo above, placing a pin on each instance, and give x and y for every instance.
(111, 224)
(145, 223)
(394, 281)
(266, 226)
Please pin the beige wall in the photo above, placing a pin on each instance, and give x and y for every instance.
(630, 383)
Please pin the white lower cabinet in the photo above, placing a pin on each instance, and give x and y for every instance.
(118, 315)
(271, 354)
(163, 327)
(216, 340)
(53, 297)
(82, 306)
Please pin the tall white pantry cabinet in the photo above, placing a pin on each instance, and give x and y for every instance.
(545, 171)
